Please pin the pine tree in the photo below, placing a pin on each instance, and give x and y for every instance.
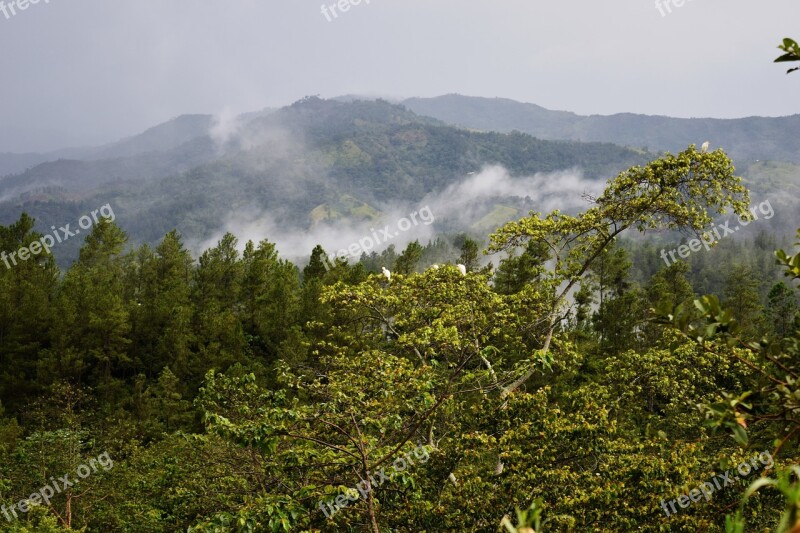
(782, 309)
(741, 296)
(27, 290)
(469, 254)
(409, 259)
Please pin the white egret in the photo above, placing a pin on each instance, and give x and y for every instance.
(462, 269)
(705, 146)
(386, 273)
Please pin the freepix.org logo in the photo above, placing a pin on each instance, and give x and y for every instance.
(384, 235)
(59, 235)
(330, 12)
(665, 6)
(709, 238)
(9, 9)
(57, 486)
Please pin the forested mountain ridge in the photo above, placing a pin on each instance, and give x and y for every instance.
(159, 138)
(289, 162)
(744, 139)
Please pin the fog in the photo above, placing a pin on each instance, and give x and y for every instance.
(460, 205)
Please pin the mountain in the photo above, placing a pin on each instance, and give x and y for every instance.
(744, 139)
(163, 137)
(81, 176)
(363, 154)
(160, 138)
(11, 163)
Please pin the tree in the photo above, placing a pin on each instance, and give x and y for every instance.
(742, 297)
(618, 313)
(316, 265)
(782, 310)
(672, 192)
(469, 254)
(217, 295)
(59, 443)
(666, 291)
(398, 362)
(270, 290)
(161, 307)
(93, 333)
(766, 407)
(515, 272)
(27, 290)
(409, 259)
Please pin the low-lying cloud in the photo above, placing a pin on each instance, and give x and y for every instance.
(456, 209)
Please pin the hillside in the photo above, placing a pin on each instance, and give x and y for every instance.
(745, 139)
(289, 163)
(160, 138)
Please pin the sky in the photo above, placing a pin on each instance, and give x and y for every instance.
(88, 72)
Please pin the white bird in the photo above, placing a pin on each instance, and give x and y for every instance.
(452, 479)
(435, 267)
(386, 273)
(705, 146)
(462, 269)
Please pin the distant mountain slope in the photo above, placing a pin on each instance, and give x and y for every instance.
(289, 163)
(745, 139)
(81, 176)
(11, 163)
(174, 146)
(161, 138)
(314, 152)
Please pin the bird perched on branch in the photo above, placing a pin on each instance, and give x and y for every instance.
(386, 273)
(462, 269)
(705, 146)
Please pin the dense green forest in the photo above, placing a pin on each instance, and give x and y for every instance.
(545, 384)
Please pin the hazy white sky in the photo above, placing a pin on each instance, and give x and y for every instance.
(80, 72)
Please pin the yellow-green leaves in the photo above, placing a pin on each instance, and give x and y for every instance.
(679, 192)
(792, 54)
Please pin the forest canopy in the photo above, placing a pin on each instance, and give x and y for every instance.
(427, 390)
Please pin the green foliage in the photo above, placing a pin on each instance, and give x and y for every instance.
(409, 259)
(782, 308)
(767, 411)
(792, 53)
(235, 394)
(529, 520)
(674, 192)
